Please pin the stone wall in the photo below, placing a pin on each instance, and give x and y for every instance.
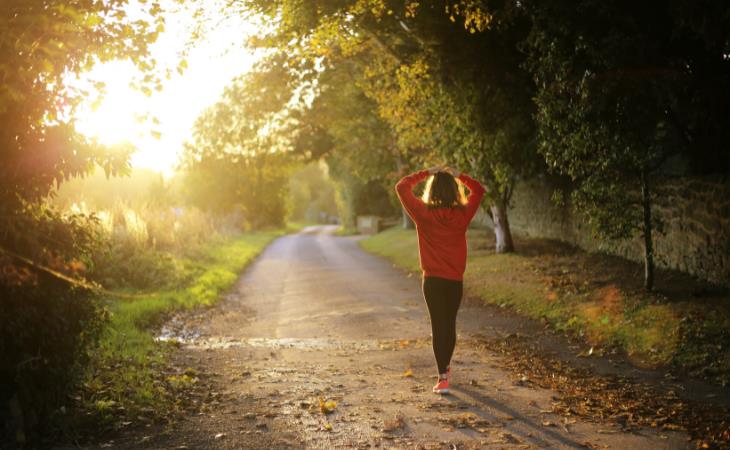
(695, 212)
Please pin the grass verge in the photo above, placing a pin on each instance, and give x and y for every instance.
(128, 376)
(684, 324)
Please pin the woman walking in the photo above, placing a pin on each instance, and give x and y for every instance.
(441, 217)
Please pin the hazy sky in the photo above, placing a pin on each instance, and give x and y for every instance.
(213, 61)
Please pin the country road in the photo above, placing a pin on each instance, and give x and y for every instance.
(317, 317)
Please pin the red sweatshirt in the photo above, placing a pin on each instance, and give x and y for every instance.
(441, 231)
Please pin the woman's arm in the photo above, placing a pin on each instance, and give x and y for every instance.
(404, 188)
(476, 193)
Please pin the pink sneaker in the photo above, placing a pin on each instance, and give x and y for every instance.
(442, 387)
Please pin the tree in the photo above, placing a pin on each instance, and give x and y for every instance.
(42, 44)
(466, 95)
(48, 321)
(448, 90)
(239, 156)
(312, 194)
(358, 146)
(621, 93)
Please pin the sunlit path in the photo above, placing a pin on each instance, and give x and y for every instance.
(316, 317)
(561, 171)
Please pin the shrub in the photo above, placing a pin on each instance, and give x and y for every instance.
(45, 335)
(47, 324)
(137, 245)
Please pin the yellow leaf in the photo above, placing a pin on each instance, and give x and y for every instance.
(327, 407)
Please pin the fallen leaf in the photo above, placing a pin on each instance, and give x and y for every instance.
(327, 407)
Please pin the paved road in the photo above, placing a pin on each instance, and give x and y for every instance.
(316, 317)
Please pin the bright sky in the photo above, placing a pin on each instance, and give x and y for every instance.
(213, 61)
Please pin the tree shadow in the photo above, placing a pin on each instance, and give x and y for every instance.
(542, 436)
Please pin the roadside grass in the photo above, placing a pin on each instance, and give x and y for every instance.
(683, 325)
(128, 377)
(396, 244)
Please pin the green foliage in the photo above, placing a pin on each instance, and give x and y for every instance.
(620, 94)
(45, 336)
(602, 129)
(256, 186)
(43, 43)
(138, 247)
(439, 89)
(239, 158)
(48, 325)
(127, 266)
(311, 194)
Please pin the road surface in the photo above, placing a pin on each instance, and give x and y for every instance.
(315, 317)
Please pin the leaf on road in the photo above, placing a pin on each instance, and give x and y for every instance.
(327, 407)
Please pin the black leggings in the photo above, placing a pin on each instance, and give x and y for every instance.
(443, 298)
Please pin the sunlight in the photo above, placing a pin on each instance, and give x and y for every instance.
(160, 123)
(114, 120)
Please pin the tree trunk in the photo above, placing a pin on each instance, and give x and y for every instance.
(502, 233)
(647, 232)
(407, 221)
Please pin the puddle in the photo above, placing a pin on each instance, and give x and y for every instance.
(173, 333)
(194, 340)
(281, 343)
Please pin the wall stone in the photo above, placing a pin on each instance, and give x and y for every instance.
(695, 213)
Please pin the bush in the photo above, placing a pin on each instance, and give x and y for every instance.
(119, 266)
(48, 325)
(44, 339)
(138, 245)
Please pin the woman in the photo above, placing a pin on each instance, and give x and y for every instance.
(441, 219)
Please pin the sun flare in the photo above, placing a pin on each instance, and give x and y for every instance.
(158, 124)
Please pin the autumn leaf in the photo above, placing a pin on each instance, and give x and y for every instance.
(327, 407)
